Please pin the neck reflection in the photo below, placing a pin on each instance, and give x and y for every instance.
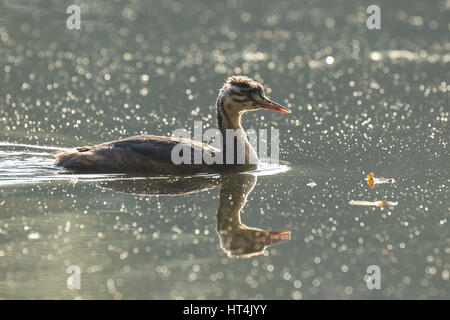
(237, 239)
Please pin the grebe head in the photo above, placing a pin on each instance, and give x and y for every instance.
(240, 94)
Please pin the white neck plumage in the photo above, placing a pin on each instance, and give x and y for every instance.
(234, 139)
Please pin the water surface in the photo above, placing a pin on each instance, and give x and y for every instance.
(363, 101)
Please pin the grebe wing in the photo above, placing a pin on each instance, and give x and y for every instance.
(150, 145)
(134, 154)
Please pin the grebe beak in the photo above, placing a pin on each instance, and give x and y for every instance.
(276, 236)
(268, 104)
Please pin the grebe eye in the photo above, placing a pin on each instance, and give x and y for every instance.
(261, 92)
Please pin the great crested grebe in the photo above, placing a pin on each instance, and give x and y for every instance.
(153, 154)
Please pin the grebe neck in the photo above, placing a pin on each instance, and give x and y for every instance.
(227, 120)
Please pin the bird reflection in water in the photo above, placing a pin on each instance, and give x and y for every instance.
(237, 240)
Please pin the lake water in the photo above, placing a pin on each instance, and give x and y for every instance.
(362, 101)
